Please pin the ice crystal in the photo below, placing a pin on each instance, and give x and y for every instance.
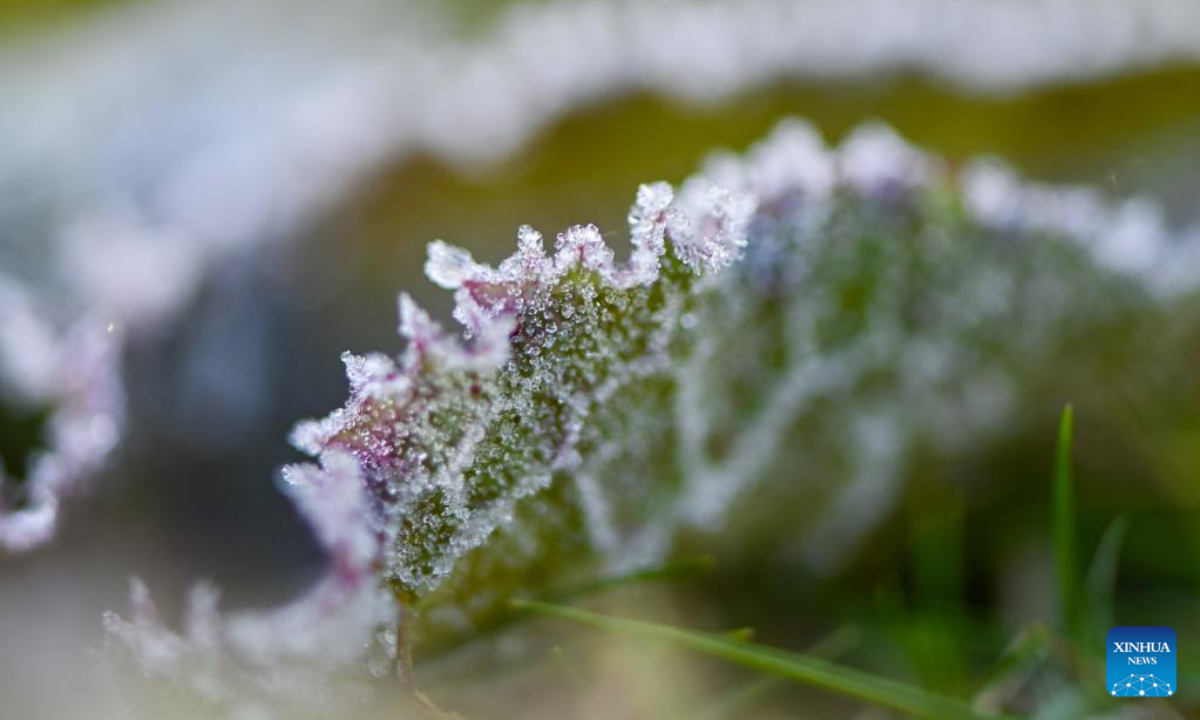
(798, 307)
(61, 407)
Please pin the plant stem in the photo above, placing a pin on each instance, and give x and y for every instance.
(404, 661)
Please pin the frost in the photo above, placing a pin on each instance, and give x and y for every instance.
(290, 660)
(874, 159)
(798, 307)
(333, 498)
(1130, 236)
(307, 658)
(62, 390)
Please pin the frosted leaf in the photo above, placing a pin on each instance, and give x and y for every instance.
(61, 405)
(796, 308)
(564, 349)
(550, 337)
(567, 353)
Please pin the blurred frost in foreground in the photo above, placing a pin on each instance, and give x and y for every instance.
(797, 307)
(61, 410)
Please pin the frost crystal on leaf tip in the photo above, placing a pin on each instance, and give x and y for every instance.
(333, 499)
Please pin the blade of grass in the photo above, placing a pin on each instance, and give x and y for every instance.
(793, 666)
(1102, 575)
(733, 704)
(1016, 664)
(738, 700)
(1063, 521)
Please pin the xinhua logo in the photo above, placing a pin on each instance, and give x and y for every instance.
(1141, 661)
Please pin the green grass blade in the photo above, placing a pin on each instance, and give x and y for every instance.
(735, 703)
(1065, 563)
(793, 666)
(1102, 575)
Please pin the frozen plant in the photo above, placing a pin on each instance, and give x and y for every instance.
(795, 314)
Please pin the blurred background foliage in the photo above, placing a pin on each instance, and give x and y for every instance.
(954, 591)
